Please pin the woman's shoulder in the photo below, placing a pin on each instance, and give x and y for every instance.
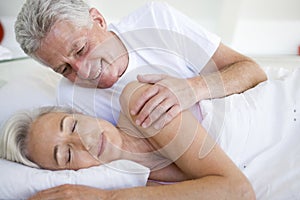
(130, 94)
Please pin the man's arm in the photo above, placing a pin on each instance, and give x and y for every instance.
(228, 72)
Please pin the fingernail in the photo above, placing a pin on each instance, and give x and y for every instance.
(138, 122)
(144, 125)
(132, 112)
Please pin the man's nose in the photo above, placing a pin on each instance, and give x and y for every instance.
(82, 67)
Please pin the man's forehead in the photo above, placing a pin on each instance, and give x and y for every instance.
(62, 29)
(49, 55)
(53, 49)
(59, 42)
(61, 36)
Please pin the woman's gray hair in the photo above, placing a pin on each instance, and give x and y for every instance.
(36, 18)
(13, 137)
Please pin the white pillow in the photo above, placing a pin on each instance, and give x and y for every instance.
(34, 89)
(21, 182)
(26, 85)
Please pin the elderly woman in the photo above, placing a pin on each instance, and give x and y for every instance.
(182, 153)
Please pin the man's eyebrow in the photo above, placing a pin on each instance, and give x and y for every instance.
(55, 154)
(74, 46)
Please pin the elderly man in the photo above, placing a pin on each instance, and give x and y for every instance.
(184, 62)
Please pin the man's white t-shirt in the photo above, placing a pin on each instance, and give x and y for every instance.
(159, 40)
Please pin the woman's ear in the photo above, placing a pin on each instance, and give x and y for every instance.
(97, 17)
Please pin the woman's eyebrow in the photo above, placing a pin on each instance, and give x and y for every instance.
(62, 123)
(56, 147)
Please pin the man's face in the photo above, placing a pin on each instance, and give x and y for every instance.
(90, 57)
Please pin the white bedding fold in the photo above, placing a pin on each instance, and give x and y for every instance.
(260, 131)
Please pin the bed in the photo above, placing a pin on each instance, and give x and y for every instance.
(25, 84)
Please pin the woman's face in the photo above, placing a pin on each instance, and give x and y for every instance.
(70, 141)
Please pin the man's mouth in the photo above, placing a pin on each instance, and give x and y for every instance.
(97, 75)
(98, 72)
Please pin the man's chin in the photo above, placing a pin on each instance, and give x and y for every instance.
(86, 84)
(107, 83)
(97, 83)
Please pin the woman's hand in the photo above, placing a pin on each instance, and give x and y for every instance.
(72, 192)
(164, 100)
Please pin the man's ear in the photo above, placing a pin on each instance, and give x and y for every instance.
(97, 17)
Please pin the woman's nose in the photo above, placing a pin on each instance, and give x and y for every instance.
(90, 141)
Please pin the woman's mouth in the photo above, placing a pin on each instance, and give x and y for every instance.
(101, 145)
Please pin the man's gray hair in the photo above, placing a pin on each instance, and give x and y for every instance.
(36, 18)
(13, 137)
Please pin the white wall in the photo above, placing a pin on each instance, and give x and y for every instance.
(10, 7)
(268, 27)
(255, 27)
(203, 11)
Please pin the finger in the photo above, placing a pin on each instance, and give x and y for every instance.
(158, 112)
(148, 108)
(147, 94)
(49, 194)
(150, 78)
(167, 117)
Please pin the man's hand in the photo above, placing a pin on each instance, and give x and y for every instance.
(159, 104)
(72, 192)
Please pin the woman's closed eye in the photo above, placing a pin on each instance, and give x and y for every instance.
(69, 155)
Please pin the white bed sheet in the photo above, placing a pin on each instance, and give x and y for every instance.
(260, 131)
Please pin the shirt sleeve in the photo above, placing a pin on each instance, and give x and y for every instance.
(197, 44)
(157, 25)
